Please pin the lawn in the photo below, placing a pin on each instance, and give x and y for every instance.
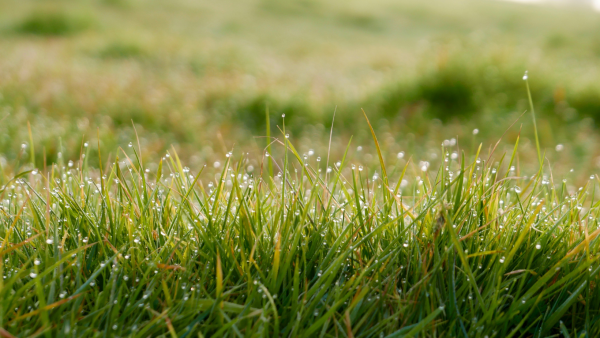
(324, 247)
(184, 71)
(298, 168)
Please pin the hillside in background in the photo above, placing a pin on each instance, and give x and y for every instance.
(184, 71)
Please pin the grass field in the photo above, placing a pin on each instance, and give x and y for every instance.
(196, 169)
(79, 69)
(325, 247)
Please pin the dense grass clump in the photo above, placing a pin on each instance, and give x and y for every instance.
(53, 23)
(322, 248)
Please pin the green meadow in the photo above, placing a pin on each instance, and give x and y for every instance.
(298, 168)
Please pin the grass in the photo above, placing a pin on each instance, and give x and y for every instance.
(342, 247)
(178, 67)
(122, 50)
(415, 230)
(53, 23)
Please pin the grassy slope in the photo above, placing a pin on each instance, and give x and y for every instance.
(181, 66)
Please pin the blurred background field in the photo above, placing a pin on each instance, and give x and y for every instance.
(199, 75)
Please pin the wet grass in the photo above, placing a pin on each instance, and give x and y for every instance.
(342, 246)
(432, 229)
